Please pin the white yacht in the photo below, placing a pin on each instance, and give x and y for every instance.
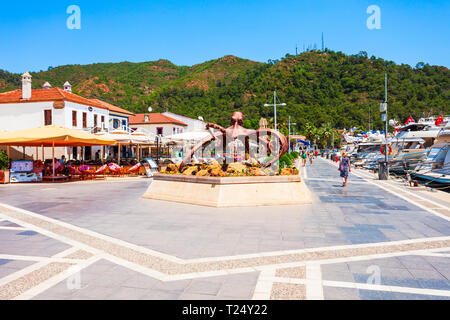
(412, 143)
(435, 169)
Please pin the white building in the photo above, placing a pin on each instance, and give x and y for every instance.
(157, 123)
(192, 124)
(118, 117)
(29, 108)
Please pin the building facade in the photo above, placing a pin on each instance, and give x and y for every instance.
(29, 108)
(157, 124)
(191, 124)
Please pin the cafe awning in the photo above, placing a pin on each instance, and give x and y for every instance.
(189, 136)
(52, 135)
(126, 138)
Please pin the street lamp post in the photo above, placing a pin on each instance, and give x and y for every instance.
(384, 168)
(275, 104)
(157, 149)
(289, 137)
(386, 122)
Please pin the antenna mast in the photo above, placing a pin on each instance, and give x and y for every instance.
(323, 44)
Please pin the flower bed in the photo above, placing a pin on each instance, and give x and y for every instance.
(235, 169)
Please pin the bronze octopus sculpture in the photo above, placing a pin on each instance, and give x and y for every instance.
(236, 131)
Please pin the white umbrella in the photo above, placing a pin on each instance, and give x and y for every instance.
(189, 136)
(140, 137)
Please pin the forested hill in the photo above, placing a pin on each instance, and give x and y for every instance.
(318, 87)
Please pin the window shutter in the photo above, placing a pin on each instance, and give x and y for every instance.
(47, 117)
(74, 118)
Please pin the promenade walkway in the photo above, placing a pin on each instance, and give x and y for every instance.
(101, 240)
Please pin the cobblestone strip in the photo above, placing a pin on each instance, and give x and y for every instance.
(18, 286)
(288, 291)
(314, 256)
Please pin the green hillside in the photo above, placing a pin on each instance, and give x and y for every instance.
(318, 87)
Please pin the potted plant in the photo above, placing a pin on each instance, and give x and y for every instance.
(4, 165)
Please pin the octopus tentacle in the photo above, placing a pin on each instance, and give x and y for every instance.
(215, 126)
(284, 146)
(202, 143)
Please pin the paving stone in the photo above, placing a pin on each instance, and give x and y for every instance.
(126, 293)
(426, 274)
(196, 296)
(411, 296)
(376, 295)
(161, 295)
(334, 293)
(416, 262)
(203, 287)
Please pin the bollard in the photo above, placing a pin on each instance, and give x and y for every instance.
(382, 171)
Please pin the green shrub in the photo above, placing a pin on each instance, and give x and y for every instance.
(4, 160)
(285, 161)
(295, 154)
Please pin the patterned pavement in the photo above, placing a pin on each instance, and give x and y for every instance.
(101, 240)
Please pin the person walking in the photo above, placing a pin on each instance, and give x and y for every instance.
(304, 157)
(311, 155)
(344, 168)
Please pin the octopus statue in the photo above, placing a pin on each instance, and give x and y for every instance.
(237, 132)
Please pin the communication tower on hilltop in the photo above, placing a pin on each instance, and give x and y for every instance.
(323, 44)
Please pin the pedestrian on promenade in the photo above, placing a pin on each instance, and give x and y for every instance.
(344, 168)
(304, 157)
(310, 155)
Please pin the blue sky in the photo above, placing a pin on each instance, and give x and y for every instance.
(34, 33)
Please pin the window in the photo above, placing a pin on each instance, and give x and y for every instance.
(124, 124)
(95, 120)
(159, 131)
(84, 120)
(116, 123)
(74, 118)
(103, 119)
(47, 117)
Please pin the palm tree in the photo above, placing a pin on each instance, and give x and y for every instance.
(325, 133)
(311, 132)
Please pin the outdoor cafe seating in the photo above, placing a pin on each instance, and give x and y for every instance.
(56, 170)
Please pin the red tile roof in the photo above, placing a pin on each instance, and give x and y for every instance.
(57, 94)
(112, 108)
(154, 118)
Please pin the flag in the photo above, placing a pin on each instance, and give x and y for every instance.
(439, 120)
(410, 119)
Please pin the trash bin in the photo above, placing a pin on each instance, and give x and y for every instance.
(382, 170)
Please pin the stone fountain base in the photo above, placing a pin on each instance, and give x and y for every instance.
(229, 191)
